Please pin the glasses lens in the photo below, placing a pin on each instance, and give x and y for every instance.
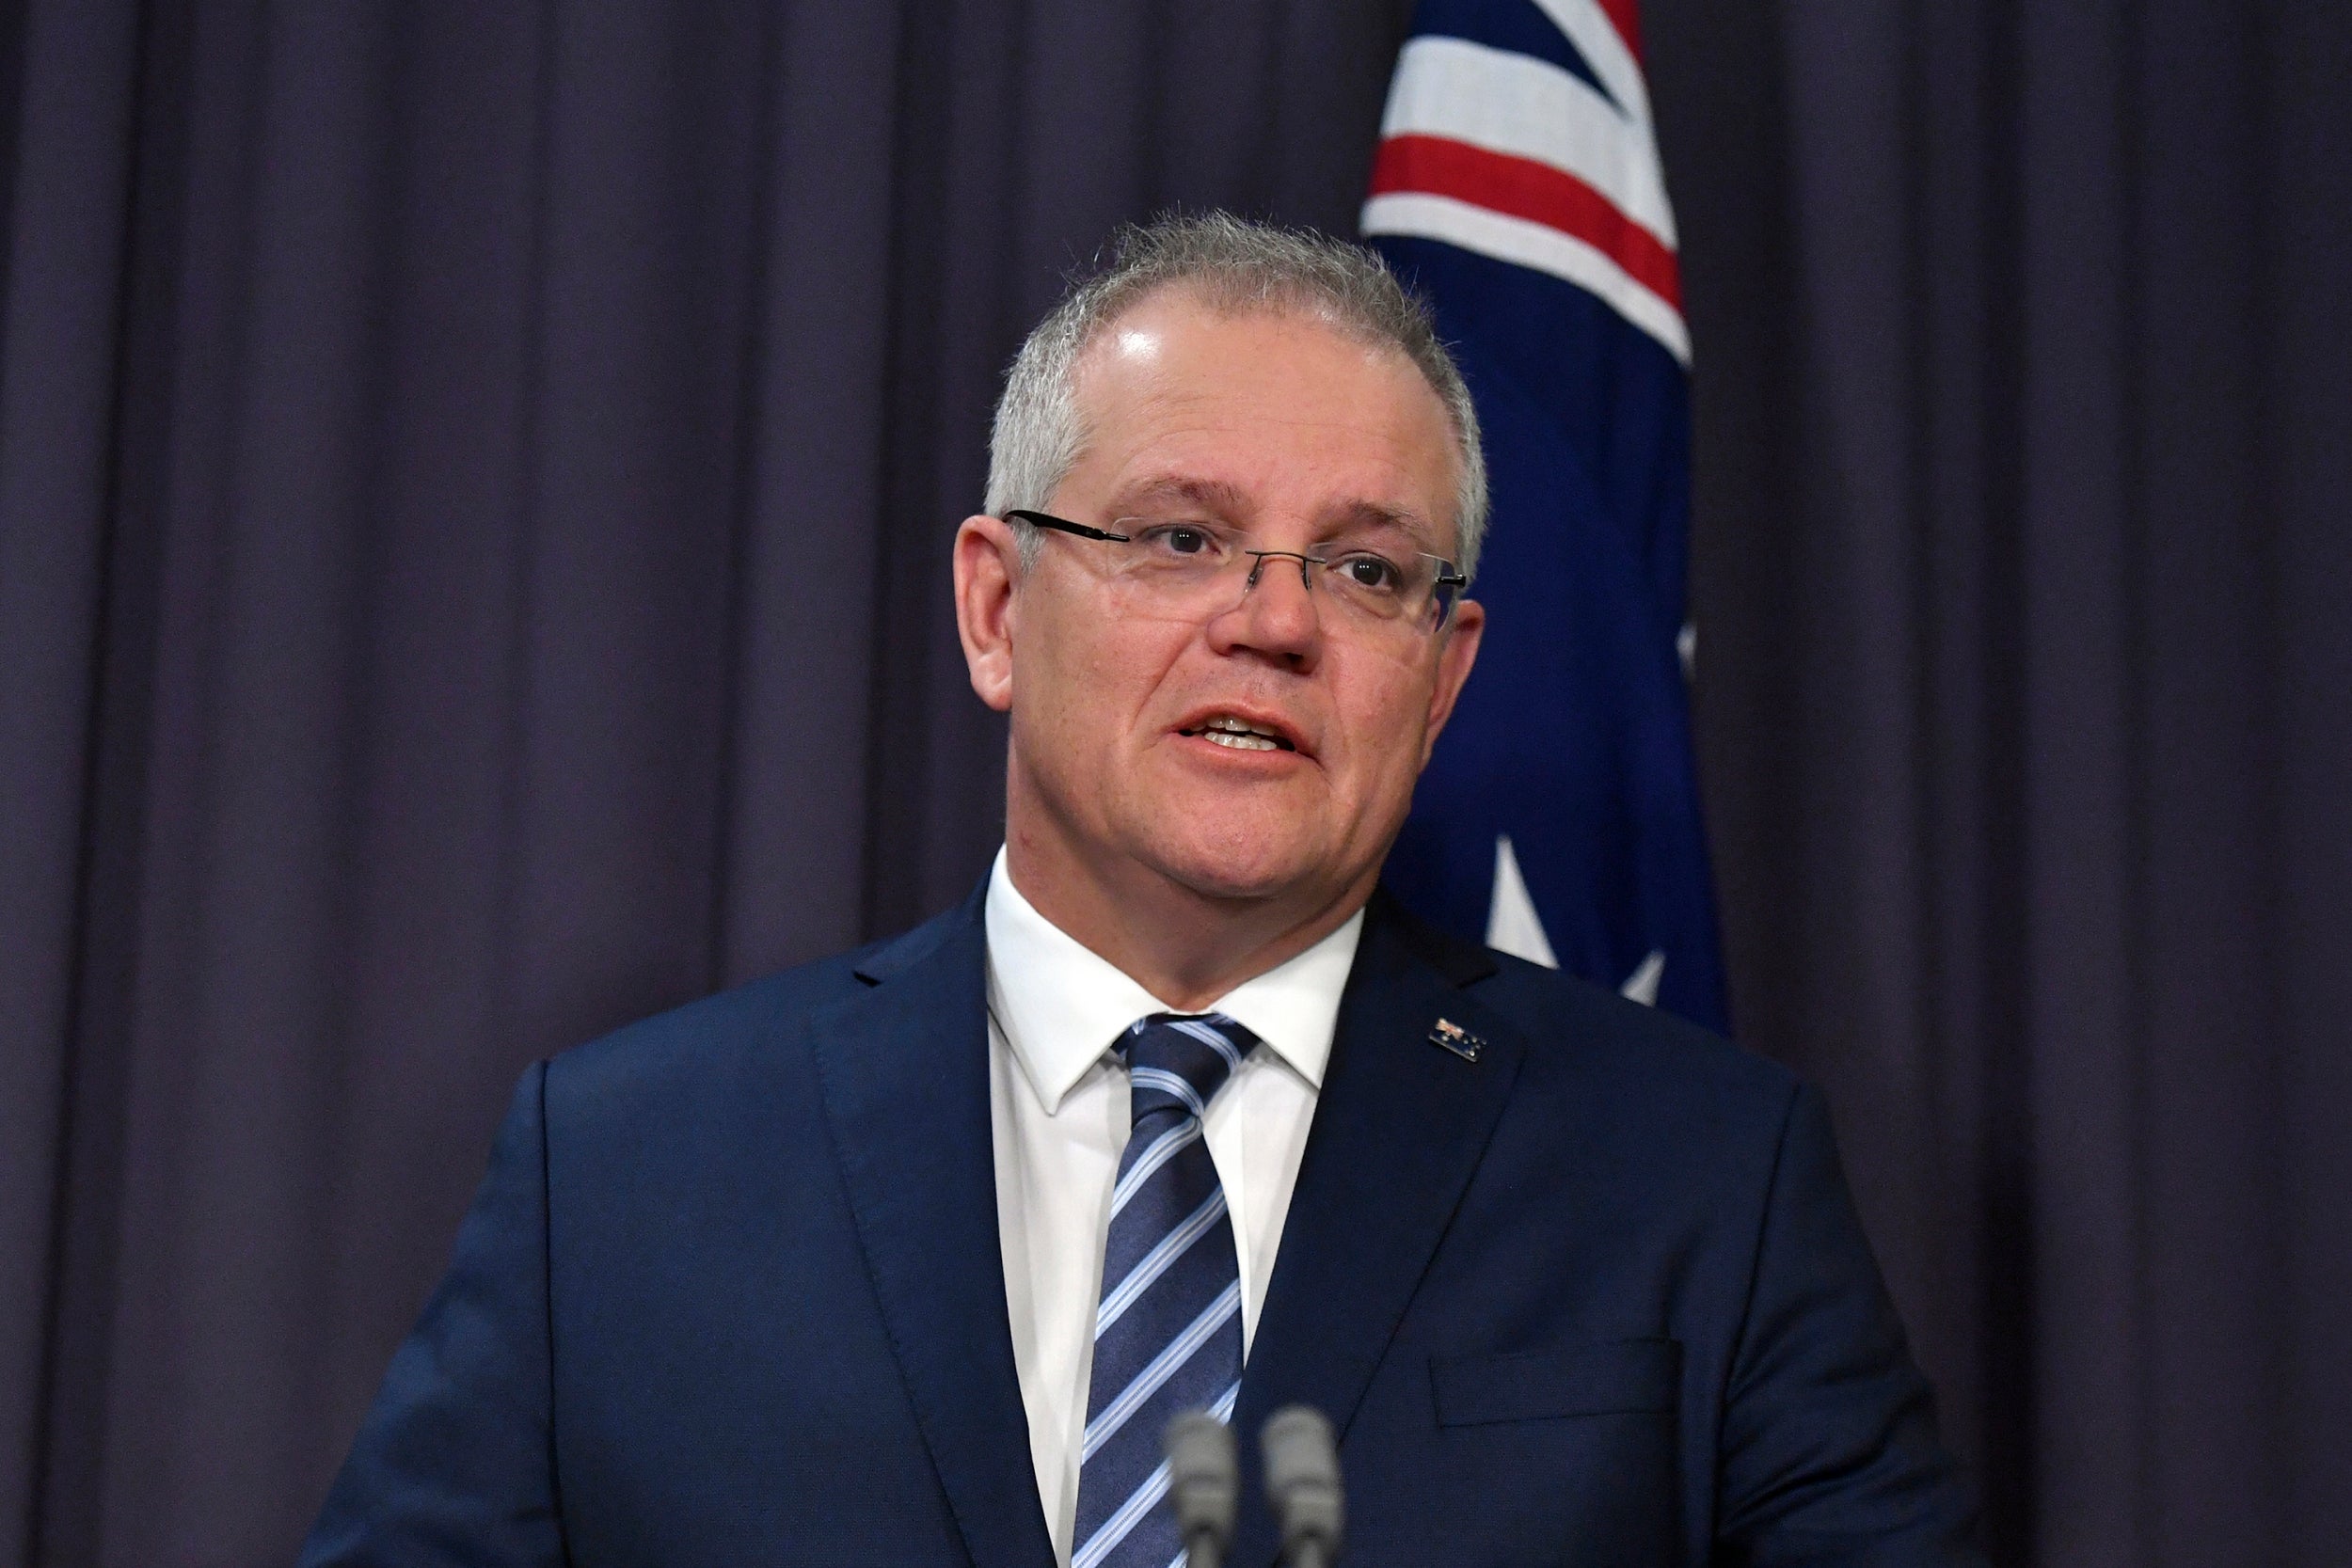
(1180, 551)
(1187, 567)
(1448, 590)
(1377, 584)
(1178, 568)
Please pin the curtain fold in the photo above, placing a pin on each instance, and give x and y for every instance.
(69, 133)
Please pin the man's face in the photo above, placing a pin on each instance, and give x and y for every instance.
(1280, 426)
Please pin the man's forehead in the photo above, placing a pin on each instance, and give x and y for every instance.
(1139, 332)
(1183, 400)
(1170, 358)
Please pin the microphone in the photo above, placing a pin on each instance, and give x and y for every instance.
(1203, 1482)
(1302, 1485)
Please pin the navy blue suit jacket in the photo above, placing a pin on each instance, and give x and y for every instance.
(731, 1294)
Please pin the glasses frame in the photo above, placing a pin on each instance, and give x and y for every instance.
(1449, 574)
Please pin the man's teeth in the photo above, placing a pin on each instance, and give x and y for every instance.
(1238, 734)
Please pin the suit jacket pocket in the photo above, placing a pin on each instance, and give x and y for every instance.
(1616, 1377)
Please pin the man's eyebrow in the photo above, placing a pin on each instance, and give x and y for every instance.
(1365, 517)
(1211, 496)
(1216, 499)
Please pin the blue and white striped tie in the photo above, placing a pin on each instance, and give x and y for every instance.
(1167, 1334)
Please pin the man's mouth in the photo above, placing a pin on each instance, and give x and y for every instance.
(1238, 734)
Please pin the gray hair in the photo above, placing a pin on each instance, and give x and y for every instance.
(1235, 266)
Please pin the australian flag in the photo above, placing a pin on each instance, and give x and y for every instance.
(1517, 186)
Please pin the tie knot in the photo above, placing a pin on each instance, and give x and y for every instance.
(1180, 1060)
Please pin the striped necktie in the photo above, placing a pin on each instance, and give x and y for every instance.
(1167, 1334)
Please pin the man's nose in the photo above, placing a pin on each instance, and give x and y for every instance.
(1277, 613)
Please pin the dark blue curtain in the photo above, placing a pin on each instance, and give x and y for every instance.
(2024, 475)
(474, 486)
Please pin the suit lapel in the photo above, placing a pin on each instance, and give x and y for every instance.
(1400, 1126)
(904, 1070)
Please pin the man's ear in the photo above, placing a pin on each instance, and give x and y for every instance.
(987, 564)
(1456, 653)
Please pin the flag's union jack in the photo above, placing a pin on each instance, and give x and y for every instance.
(1518, 184)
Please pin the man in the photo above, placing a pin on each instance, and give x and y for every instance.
(908, 1256)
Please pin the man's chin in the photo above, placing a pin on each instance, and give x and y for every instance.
(1247, 872)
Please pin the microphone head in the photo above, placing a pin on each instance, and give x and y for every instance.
(1203, 1481)
(1302, 1480)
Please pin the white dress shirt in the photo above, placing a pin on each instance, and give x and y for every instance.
(1059, 1102)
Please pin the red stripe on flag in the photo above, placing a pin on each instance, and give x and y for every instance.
(1626, 15)
(1523, 188)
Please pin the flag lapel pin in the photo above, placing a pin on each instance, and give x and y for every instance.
(1458, 1039)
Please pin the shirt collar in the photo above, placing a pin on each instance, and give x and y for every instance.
(1060, 1005)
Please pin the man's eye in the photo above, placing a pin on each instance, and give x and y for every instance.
(1180, 539)
(1370, 571)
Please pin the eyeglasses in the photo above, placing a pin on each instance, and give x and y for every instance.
(1188, 568)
